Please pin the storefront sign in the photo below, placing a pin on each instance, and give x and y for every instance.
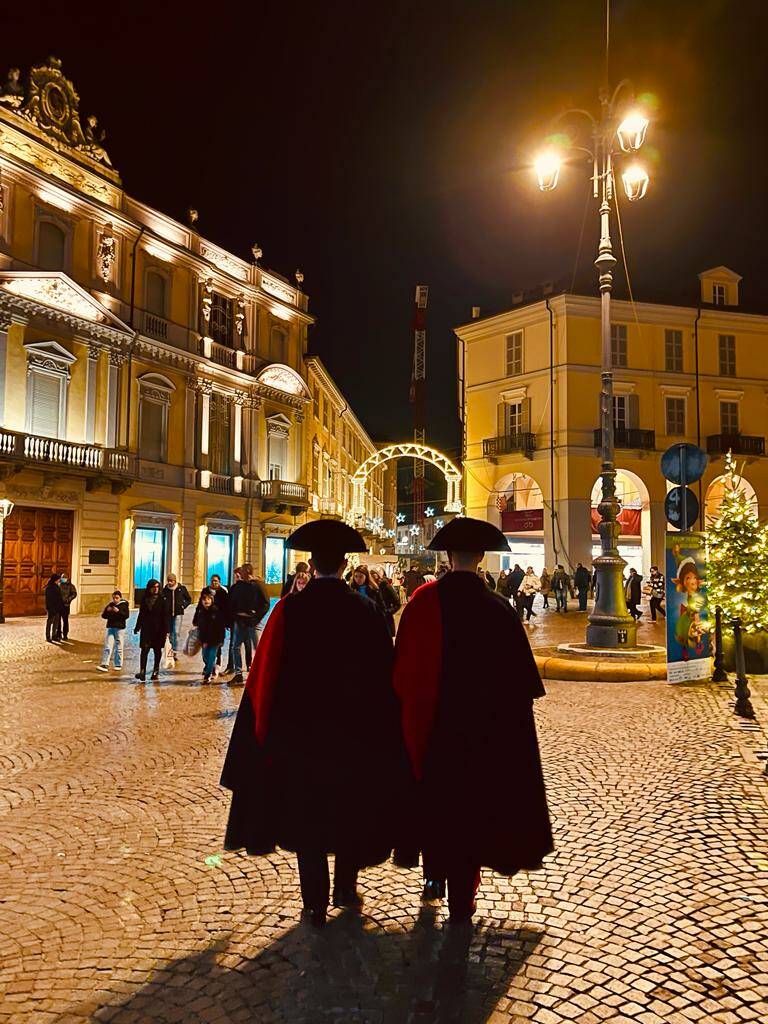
(688, 646)
(522, 521)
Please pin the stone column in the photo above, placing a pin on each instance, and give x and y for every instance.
(113, 404)
(91, 384)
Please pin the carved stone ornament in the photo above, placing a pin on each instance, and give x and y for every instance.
(240, 315)
(240, 398)
(53, 291)
(282, 379)
(224, 261)
(204, 387)
(45, 493)
(51, 103)
(117, 358)
(206, 301)
(106, 253)
(94, 351)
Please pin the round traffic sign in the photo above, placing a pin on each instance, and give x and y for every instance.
(683, 463)
(681, 507)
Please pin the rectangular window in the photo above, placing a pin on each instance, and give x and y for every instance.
(316, 402)
(675, 408)
(219, 435)
(333, 421)
(277, 456)
(618, 345)
(729, 418)
(514, 353)
(152, 419)
(218, 554)
(44, 396)
(620, 418)
(673, 351)
(718, 294)
(148, 558)
(726, 348)
(514, 418)
(315, 470)
(222, 319)
(325, 412)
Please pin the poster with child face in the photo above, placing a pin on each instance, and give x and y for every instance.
(688, 646)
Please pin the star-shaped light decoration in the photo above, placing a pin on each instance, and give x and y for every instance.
(439, 523)
(429, 511)
(414, 529)
(401, 517)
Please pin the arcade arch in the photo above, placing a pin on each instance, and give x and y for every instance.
(634, 518)
(516, 506)
(716, 491)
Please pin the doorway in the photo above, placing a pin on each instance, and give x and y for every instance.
(37, 543)
(149, 545)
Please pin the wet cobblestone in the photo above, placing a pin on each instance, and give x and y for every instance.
(118, 904)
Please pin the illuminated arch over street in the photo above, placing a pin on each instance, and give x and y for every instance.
(409, 450)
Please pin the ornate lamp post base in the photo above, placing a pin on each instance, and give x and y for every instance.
(608, 626)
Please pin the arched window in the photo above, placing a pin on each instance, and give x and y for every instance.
(51, 246)
(156, 289)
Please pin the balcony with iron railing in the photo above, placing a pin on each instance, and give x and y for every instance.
(629, 437)
(509, 444)
(35, 451)
(739, 444)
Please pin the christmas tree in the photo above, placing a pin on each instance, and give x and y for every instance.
(737, 554)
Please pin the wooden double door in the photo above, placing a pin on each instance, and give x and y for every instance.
(37, 543)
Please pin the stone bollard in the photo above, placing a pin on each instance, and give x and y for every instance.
(743, 704)
(719, 675)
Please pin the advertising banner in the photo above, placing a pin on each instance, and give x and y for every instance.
(688, 646)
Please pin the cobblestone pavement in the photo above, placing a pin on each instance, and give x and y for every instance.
(118, 904)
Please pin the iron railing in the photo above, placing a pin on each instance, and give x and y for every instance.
(739, 444)
(629, 437)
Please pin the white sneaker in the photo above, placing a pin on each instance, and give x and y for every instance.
(103, 668)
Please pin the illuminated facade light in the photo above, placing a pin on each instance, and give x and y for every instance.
(631, 131)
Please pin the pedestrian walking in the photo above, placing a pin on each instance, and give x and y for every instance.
(248, 604)
(490, 582)
(412, 580)
(54, 607)
(315, 763)
(504, 584)
(152, 625)
(515, 579)
(529, 588)
(389, 597)
(116, 614)
(633, 592)
(561, 585)
(581, 580)
(469, 727)
(211, 624)
(658, 589)
(177, 600)
(301, 567)
(545, 582)
(68, 595)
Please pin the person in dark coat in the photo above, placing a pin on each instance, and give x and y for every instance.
(515, 579)
(211, 622)
(467, 680)
(177, 601)
(582, 580)
(54, 607)
(389, 597)
(248, 604)
(68, 595)
(634, 593)
(152, 625)
(316, 763)
(412, 580)
(362, 584)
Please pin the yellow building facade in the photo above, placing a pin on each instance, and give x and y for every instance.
(530, 381)
(154, 394)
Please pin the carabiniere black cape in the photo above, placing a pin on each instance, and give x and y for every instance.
(316, 758)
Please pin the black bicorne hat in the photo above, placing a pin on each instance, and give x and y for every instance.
(463, 534)
(326, 535)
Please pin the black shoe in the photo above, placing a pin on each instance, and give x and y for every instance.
(155, 676)
(434, 889)
(314, 918)
(140, 676)
(237, 680)
(350, 898)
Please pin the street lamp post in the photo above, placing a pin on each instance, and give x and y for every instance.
(610, 624)
(6, 507)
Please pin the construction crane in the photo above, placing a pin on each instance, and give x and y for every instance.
(418, 394)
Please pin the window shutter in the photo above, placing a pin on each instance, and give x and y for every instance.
(633, 411)
(526, 415)
(501, 424)
(45, 395)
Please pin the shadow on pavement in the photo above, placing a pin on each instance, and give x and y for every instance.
(351, 972)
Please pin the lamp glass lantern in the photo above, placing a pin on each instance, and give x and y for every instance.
(636, 181)
(547, 167)
(631, 131)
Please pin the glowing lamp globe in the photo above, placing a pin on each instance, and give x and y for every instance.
(635, 182)
(547, 167)
(631, 131)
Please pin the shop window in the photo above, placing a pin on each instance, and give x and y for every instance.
(51, 246)
(274, 559)
(219, 550)
(149, 544)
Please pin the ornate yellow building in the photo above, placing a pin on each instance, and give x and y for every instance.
(153, 387)
(531, 384)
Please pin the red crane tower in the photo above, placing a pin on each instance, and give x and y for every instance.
(419, 394)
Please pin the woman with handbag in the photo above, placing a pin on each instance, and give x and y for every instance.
(153, 626)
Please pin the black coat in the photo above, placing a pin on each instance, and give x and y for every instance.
(391, 604)
(248, 602)
(54, 599)
(177, 599)
(467, 680)
(211, 624)
(515, 579)
(316, 757)
(152, 623)
(116, 614)
(581, 578)
(634, 589)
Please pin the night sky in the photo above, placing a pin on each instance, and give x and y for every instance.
(377, 146)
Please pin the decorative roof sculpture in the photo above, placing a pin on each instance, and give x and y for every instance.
(51, 103)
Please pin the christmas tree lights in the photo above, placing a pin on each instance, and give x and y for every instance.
(737, 555)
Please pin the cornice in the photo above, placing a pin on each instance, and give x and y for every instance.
(511, 319)
(19, 307)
